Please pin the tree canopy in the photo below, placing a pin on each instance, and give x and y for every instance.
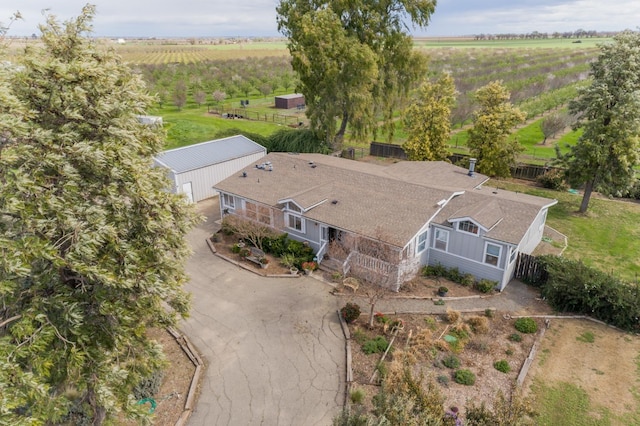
(608, 111)
(493, 122)
(91, 242)
(354, 60)
(428, 121)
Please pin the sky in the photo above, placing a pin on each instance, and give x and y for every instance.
(218, 18)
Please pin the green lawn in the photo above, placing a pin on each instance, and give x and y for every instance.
(607, 237)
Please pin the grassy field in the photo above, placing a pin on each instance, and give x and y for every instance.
(607, 237)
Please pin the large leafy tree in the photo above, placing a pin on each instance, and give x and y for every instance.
(608, 111)
(354, 60)
(493, 122)
(428, 120)
(91, 244)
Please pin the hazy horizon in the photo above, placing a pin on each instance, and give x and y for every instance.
(216, 18)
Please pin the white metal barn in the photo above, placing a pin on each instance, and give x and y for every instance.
(194, 169)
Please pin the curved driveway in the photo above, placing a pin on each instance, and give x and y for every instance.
(273, 346)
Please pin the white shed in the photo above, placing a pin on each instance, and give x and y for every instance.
(194, 169)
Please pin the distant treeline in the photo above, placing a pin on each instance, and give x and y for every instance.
(542, 35)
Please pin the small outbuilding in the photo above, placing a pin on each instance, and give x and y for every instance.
(294, 100)
(195, 169)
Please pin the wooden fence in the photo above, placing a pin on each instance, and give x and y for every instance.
(243, 113)
(521, 171)
(529, 270)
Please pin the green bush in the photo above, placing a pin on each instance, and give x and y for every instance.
(526, 325)
(451, 361)
(553, 179)
(515, 337)
(356, 396)
(486, 286)
(468, 280)
(438, 270)
(443, 380)
(376, 345)
(464, 377)
(502, 366)
(149, 386)
(350, 312)
(454, 275)
(360, 336)
(570, 286)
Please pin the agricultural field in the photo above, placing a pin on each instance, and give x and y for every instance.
(542, 76)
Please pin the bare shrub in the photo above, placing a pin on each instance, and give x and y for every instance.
(478, 324)
(248, 230)
(482, 345)
(453, 316)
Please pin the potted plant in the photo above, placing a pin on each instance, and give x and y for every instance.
(309, 267)
(442, 291)
(264, 262)
(288, 260)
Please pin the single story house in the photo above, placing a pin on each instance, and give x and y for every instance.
(195, 168)
(293, 100)
(384, 222)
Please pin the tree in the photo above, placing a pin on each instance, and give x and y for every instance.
(492, 123)
(180, 94)
(219, 96)
(91, 244)
(428, 121)
(608, 111)
(199, 97)
(353, 59)
(552, 124)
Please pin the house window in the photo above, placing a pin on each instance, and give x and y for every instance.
(468, 226)
(513, 254)
(441, 239)
(251, 210)
(228, 201)
(422, 242)
(295, 222)
(492, 254)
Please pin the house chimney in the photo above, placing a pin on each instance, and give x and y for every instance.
(472, 166)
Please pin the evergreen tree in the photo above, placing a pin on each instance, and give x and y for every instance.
(91, 244)
(354, 60)
(608, 111)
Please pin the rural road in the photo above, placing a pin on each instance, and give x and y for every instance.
(273, 346)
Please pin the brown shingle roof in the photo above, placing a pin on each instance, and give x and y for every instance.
(388, 202)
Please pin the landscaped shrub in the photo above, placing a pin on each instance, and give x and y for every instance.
(453, 316)
(451, 361)
(350, 312)
(356, 396)
(571, 286)
(502, 366)
(479, 345)
(464, 377)
(553, 179)
(376, 345)
(359, 336)
(478, 324)
(443, 380)
(468, 280)
(515, 337)
(149, 386)
(454, 275)
(526, 325)
(486, 286)
(438, 270)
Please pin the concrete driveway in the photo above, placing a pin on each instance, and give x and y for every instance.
(273, 347)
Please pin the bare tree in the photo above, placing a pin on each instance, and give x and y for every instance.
(552, 124)
(199, 97)
(247, 229)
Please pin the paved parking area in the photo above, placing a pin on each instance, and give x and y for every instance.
(273, 346)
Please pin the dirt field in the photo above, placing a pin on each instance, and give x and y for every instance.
(598, 359)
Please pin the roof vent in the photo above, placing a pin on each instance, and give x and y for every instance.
(472, 166)
(244, 174)
(441, 203)
(313, 166)
(334, 202)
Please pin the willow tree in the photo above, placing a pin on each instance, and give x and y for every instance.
(91, 244)
(354, 60)
(428, 121)
(608, 111)
(493, 122)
